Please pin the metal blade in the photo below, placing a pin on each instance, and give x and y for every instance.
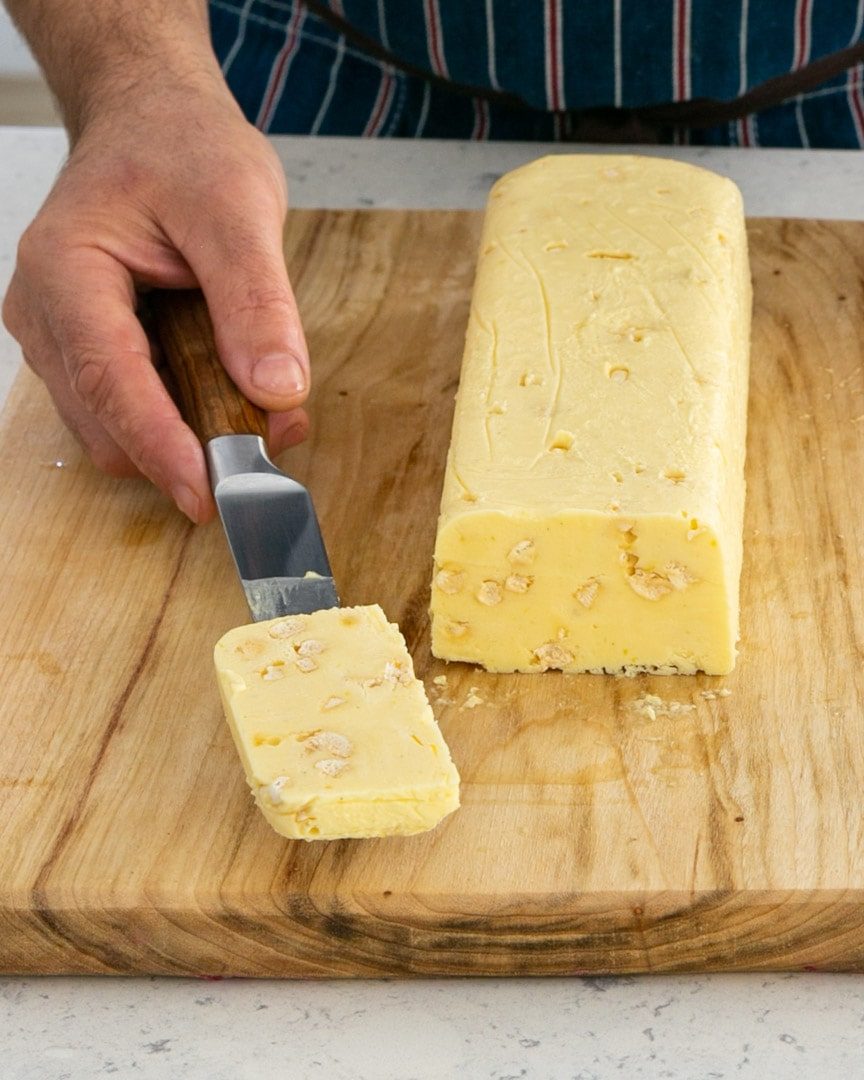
(268, 598)
(271, 528)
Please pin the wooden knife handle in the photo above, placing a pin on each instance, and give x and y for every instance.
(209, 400)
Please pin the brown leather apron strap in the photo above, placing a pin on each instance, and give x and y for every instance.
(706, 112)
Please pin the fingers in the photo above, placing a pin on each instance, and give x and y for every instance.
(106, 390)
(111, 381)
(102, 449)
(235, 251)
(42, 355)
(128, 213)
(287, 429)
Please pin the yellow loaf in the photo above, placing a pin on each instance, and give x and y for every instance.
(334, 731)
(592, 512)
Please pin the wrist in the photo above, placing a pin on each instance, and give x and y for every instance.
(115, 81)
(135, 92)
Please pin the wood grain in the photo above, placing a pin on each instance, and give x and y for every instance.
(209, 400)
(592, 838)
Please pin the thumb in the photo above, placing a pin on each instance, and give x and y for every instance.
(240, 266)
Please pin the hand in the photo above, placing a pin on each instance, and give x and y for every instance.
(176, 190)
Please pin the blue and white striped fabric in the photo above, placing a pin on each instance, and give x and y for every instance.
(295, 72)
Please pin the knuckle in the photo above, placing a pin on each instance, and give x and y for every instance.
(255, 178)
(29, 245)
(247, 199)
(12, 313)
(93, 383)
(38, 363)
(260, 299)
(39, 244)
(99, 361)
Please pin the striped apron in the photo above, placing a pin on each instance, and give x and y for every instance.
(708, 72)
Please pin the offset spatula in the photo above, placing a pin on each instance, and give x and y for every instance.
(268, 518)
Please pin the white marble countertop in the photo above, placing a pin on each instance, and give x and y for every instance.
(681, 1027)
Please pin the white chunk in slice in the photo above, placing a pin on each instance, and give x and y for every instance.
(592, 511)
(335, 733)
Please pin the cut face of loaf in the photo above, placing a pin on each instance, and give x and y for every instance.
(592, 512)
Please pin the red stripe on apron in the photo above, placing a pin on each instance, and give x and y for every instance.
(280, 68)
(803, 10)
(433, 34)
(381, 106)
(554, 94)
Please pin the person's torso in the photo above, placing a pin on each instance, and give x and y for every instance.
(535, 68)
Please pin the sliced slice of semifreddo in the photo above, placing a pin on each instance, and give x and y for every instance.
(335, 733)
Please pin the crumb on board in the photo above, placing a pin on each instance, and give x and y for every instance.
(651, 706)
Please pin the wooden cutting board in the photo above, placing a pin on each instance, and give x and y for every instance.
(722, 833)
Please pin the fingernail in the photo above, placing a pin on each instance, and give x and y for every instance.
(279, 375)
(187, 501)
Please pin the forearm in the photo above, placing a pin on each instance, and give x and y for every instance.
(96, 53)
